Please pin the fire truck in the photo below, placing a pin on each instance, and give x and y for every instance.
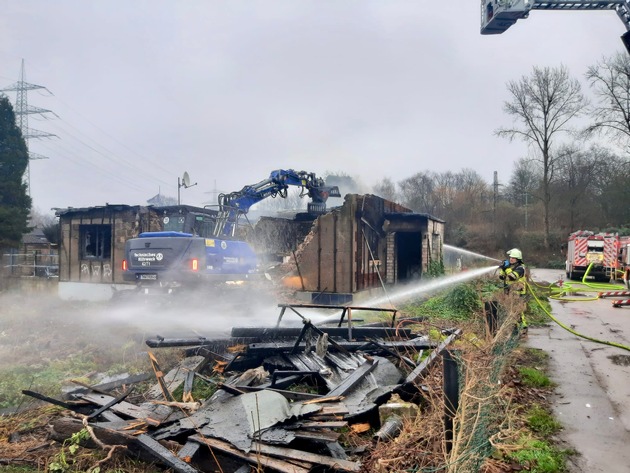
(601, 250)
(624, 260)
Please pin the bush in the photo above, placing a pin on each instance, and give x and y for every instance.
(463, 298)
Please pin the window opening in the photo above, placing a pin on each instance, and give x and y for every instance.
(96, 241)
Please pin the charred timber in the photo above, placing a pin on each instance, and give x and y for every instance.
(218, 345)
(271, 348)
(358, 333)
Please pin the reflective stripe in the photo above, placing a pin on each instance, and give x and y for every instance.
(514, 280)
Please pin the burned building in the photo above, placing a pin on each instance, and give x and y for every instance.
(364, 244)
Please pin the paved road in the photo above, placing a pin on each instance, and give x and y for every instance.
(593, 394)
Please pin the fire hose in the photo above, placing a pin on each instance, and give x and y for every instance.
(564, 326)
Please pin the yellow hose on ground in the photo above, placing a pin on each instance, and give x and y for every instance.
(569, 329)
(560, 292)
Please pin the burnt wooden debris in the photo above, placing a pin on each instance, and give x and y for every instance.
(281, 396)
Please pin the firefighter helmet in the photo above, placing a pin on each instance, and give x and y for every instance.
(515, 253)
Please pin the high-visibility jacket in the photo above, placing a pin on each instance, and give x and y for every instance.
(514, 278)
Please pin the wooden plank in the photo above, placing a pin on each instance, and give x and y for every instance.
(106, 388)
(423, 367)
(159, 375)
(188, 386)
(357, 376)
(130, 427)
(290, 453)
(326, 418)
(56, 402)
(164, 455)
(321, 400)
(254, 458)
(336, 410)
(322, 424)
(319, 436)
(125, 408)
(176, 377)
(109, 416)
(189, 451)
(111, 403)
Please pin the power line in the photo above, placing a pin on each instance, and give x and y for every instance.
(22, 111)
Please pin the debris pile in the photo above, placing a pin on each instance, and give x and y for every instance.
(282, 397)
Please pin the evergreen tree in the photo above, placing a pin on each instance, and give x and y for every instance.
(15, 204)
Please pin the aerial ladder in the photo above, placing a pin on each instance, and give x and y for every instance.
(498, 15)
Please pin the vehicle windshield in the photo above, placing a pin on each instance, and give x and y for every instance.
(174, 223)
(197, 224)
(203, 226)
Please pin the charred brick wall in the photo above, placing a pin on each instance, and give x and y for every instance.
(274, 237)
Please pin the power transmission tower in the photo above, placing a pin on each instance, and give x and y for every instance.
(22, 111)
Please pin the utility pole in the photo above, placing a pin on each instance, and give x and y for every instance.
(22, 111)
(495, 194)
(526, 194)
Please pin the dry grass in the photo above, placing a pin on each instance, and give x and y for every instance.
(484, 406)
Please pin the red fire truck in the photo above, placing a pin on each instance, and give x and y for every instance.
(624, 260)
(602, 250)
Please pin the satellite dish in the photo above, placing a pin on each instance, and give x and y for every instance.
(186, 179)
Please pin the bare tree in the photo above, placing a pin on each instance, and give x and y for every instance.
(610, 81)
(417, 192)
(445, 192)
(524, 183)
(542, 105)
(576, 185)
(612, 189)
(386, 190)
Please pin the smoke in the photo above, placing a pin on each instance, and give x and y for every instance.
(204, 312)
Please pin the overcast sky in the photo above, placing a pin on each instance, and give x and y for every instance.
(231, 90)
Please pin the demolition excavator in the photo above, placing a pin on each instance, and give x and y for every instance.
(201, 248)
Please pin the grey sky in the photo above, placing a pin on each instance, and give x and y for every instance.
(230, 90)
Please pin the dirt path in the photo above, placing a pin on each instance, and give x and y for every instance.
(593, 394)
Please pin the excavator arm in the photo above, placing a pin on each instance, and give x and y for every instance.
(277, 184)
(237, 203)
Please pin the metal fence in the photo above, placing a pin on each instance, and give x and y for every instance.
(30, 265)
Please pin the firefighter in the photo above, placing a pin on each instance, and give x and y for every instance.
(513, 274)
